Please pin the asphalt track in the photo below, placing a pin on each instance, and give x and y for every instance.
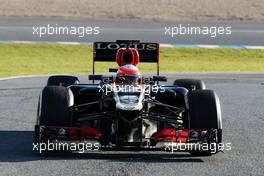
(241, 98)
(20, 29)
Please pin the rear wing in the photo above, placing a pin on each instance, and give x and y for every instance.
(106, 51)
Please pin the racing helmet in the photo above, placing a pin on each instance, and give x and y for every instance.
(126, 56)
(128, 74)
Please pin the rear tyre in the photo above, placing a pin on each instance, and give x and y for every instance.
(62, 80)
(205, 113)
(190, 84)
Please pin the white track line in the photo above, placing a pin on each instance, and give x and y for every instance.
(21, 77)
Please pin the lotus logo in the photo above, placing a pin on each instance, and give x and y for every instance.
(62, 131)
(115, 46)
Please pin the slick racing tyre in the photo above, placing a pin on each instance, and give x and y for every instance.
(55, 103)
(190, 84)
(62, 80)
(205, 113)
(54, 109)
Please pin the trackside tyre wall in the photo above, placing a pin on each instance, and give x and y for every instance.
(204, 110)
(62, 80)
(55, 103)
(189, 83)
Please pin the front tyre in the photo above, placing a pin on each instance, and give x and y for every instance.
(54, 109)
(205, 113)
(55, 106)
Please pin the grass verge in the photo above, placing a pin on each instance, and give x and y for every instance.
(29, 59)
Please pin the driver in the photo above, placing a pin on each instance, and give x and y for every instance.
(128, 74)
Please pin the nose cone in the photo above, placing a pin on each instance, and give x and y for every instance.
(129, 106)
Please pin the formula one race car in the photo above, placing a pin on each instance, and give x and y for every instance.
(127, 110)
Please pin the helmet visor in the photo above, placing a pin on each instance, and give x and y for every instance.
(127, 79)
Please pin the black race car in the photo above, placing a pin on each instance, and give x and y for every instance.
(127, 110)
